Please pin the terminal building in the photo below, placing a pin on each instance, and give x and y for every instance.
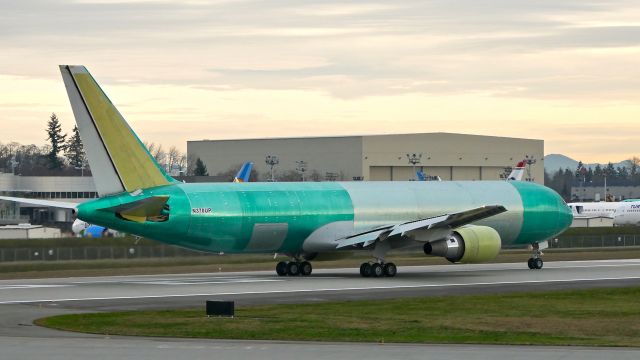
(376, 157)
(60, 188)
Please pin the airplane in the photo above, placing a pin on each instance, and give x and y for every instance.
(594, 209)
(517, 172)
(462, 221)
(424, 177)
(627, 213)
(84, 229)
(244, 173)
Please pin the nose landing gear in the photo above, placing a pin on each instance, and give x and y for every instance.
(535, 261)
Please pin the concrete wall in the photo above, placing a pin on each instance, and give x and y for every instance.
(592, 222)
(453, 156)
(55, 183)
(340, 155)
(35, 232)
(379, 157)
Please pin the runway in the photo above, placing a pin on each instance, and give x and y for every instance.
(21, 301)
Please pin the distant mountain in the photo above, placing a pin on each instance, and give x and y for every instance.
(553, 162)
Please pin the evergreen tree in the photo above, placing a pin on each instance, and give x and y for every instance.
(201, 168)
(56, 140)
(74, 150)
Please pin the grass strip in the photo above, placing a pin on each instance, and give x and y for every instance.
(600, 317)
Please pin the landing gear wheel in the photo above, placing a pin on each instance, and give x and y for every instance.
(377, 270)
(365, 269)
(305, 268)
(530, 264)
(390, 269)
(281, 268)
(538, 263)
(293, 269)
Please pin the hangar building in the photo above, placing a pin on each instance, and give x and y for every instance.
(376, 157)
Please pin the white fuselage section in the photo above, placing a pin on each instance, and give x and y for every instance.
(593, 209)
(628, 213)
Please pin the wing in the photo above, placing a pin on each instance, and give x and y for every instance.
(443, 221)
(39, 202)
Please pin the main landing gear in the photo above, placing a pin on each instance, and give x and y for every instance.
(294, 268)
(378, 269)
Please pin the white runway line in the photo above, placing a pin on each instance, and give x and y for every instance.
(322, 290)
(19, 286)
(201, 282)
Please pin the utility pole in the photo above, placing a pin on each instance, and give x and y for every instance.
(301, 168)
(529, 161)
(414, 159)
(272, 160)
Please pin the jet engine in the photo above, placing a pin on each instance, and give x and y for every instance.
(467, 244)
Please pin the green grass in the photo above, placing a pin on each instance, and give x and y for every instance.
(602, 317)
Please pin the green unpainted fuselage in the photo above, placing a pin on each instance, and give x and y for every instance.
(310, 216)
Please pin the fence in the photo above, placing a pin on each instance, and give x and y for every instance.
(164, 251)
(94, 253)
(586, 241)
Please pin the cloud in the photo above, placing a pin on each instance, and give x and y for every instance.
(336, 57)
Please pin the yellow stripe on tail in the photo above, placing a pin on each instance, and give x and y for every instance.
(135, 167)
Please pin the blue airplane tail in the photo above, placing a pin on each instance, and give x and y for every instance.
(244, 172)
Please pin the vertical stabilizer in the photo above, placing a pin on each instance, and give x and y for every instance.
(517, 172)
(118, 159)
(244, 173)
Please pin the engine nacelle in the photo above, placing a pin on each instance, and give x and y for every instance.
(467, 244)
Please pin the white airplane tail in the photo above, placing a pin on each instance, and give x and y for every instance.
(517, 173)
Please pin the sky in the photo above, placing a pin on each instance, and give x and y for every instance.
(567, 72)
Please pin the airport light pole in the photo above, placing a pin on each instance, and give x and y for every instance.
(414, 159)
(301, 168)
(272, 160)
(529, 161)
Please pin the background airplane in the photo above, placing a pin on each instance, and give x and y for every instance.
(517, 172)
(244, 173)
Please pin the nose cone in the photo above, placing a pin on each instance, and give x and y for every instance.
(565, 216)
(544, 214)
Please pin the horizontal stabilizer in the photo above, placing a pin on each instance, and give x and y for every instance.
(147, 209)
(39, 202)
